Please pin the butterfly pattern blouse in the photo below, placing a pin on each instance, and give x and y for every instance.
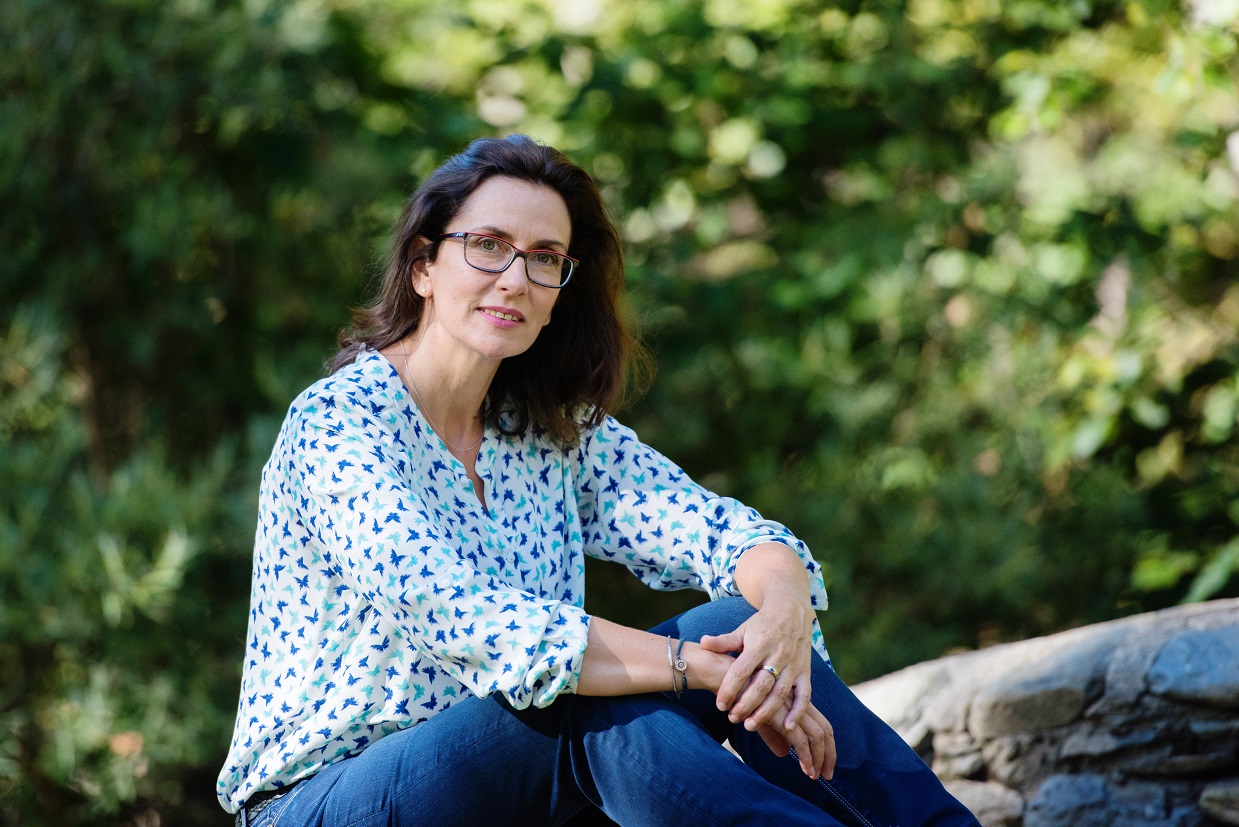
(383, 591)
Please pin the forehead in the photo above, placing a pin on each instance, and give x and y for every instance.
(525, 211)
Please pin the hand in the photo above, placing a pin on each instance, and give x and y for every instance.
(778, 635)
(814, 742)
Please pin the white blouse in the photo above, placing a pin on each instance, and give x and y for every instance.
(383, 591)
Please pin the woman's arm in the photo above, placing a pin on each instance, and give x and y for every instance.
(639, 509)
(623, 661)
(772, 578)
(620, 660)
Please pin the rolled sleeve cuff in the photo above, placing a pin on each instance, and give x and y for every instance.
(768, 534)
(556, 659)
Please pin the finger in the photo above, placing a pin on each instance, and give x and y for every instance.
(799, 741)
(820, 738)
(830, 754)
(755, 691)
(774, 707)
(812, 755)
(724, 644)
(774, 740)
(817, 744)
(801, 695)
(736, 683)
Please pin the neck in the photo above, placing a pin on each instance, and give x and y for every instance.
(449, 392)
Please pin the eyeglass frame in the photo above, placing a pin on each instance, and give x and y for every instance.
(517, 252)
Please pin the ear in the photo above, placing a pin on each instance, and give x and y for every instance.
(419, 272)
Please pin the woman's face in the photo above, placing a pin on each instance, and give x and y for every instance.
(492, 315)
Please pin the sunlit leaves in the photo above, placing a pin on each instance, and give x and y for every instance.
(948, 286)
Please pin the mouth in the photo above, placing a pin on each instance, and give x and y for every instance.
(502, 314)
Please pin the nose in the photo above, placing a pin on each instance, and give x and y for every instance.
(513, 280)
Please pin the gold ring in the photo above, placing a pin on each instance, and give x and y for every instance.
(773, 671)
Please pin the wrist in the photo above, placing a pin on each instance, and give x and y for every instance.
(788, 603)
(706, 669)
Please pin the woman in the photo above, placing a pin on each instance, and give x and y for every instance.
(417, 648)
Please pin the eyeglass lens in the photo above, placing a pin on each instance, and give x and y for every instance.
(495, 254)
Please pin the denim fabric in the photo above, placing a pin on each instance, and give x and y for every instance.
(635, 760)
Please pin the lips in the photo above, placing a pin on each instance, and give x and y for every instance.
(506, 315)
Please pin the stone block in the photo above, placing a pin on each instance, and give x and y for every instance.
(1199, 667)
(1090, 801)
(1127, 674)
(1124, 723)
(1093, 742)
(1221, 802)
(1070, 801)
(1139, 802)
(1053, 692)
(958, 766)
(1215, 730)
(951, 744)
(1196, 763)
(898, 699)
(956, 755)
(1020, 761)
(1010, 708)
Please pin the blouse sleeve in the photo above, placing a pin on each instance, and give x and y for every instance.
(378, 538)
(639, 509)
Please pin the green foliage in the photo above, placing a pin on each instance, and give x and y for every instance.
(109, 655)
(948, 286)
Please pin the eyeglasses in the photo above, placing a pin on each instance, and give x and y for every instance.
(494, 255)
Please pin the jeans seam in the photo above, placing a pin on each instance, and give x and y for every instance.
(840, 798)
(284, 809)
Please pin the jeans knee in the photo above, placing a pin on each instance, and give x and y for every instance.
(718, 617)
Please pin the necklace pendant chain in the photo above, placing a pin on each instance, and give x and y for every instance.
(417, 395)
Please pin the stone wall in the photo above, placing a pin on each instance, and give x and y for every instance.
(1133, 722)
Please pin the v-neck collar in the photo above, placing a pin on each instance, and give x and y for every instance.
(416, 418)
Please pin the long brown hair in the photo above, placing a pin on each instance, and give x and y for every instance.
(579, 367)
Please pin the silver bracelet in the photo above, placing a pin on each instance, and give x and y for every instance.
(677, 664)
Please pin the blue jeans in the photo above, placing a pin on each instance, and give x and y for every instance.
(633, 760)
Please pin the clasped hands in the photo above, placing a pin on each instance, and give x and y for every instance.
(776, 707)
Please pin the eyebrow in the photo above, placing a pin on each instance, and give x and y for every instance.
(544, 244)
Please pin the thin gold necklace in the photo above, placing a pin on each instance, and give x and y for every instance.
(422, 405)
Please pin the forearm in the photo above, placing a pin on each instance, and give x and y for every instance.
(623, 661)
(773, 572)
(776, 640)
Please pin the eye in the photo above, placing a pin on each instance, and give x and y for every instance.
(488, 244)
(546, 258)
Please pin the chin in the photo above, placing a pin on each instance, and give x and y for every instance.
(504, 350)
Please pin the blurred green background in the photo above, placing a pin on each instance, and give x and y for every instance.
(948, 286)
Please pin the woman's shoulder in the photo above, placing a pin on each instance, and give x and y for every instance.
(601, 435)
(363, 388)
